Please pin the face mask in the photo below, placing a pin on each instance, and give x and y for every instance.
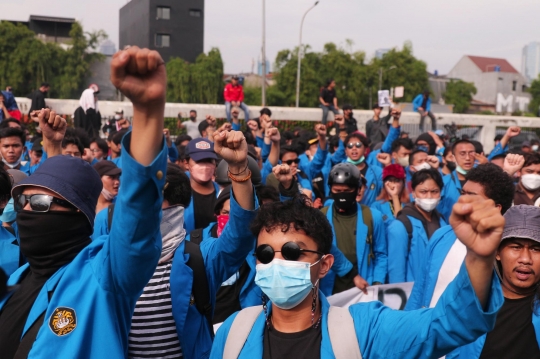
(117, 117)
(193, 118)
(203, 171)
(52, 239)
(403, 161)
(427, 204)
(108, 195)
(356, 163)
(345, 201)
(534, 148)
(286, 283)
(422, 166)
(222, 220)
(461, 170)
(451, 165)
(530, 181)
(12, 165)
(8, 215)
(423, 148)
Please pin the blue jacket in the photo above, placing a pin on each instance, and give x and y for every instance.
(417, 102)
(449, 194)
(102, 284)
(405, 258)
(371, 269)
(222, 258)
(9, 251)
(457, 319)
(387, 215)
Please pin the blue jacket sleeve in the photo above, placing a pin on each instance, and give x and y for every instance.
(417, 102)
(398, 241)
(342, 265)
(101, 224)
(317, 163)
(498, 150)
(265, 151)
(260, 141)
(380, 247)
(457, 319)
(339, 156)
(131, 252)
(223, 256)
(173, 153)
(236, 126)
(266, 170)
(393, 134)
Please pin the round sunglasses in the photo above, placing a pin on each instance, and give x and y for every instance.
(290, 251)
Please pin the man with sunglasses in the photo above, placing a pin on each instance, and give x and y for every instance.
(76, 296)
(296, 320)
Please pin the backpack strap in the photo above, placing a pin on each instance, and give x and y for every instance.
(368, 221)
(239, 331)
(196, 236)
(403, 218)
(110, 213)
(342, 334)
(200, 288)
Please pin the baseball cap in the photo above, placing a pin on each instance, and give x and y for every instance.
(200, 149)
(37, 145)
(393, 170)
(224, 195)
(70, 177)
(526, 144)
(439, 132)
(107, 168)
(522, 222)
(16, 176)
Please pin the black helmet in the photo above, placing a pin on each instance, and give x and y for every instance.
(223, 180)
(344, 173)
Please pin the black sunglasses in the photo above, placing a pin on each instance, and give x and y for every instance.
(290, 251)
(354, 144)
(290, 162)
(39, 202)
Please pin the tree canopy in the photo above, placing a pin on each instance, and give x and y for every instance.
(459, 93)
(534, 90)
(26, 62)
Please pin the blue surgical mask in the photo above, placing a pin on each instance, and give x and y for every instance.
(356, 163)
(461, 170)
(423, 148)
(8, 215)
(286, 283)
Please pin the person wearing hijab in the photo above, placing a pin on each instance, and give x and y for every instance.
(87, 115)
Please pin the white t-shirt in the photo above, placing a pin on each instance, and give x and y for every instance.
(192, 128)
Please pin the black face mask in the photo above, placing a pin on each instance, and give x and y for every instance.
(345, 201)
(192, 118)
(451, 165)
(52, 239)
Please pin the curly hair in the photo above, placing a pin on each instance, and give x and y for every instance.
(296, 214)
(497, 184)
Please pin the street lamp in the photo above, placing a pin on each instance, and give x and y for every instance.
(380, 75)
(299, 56)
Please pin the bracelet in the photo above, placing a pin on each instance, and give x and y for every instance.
(230, 175)
(239, 173)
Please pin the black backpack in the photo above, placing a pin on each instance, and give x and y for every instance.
(200, 289)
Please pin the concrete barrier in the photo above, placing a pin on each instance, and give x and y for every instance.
(486, 125)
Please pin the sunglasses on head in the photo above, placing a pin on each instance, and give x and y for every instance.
(354, 144)
(290, 251)
(290, 162)
(39, 202)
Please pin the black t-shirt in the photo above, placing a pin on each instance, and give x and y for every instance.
(302, 345)
(328, 95)
(228, 296)
(203, 205)
(424, 103)
(513, 335)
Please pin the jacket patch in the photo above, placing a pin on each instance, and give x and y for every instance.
(372, 186)
(63, 321)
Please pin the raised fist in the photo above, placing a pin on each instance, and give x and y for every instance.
(52, 125)
(283, 173)
(273, 134)
(232, 147)
(384, 158)
(433, 161)
(321, 130)
(513, 131)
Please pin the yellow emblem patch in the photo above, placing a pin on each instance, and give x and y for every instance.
(372, 186)
(63, 321)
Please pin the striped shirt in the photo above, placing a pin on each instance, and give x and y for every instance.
(153, 330)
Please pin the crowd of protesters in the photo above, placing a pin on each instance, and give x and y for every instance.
(119, 243)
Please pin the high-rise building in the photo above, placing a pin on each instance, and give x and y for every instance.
(173, 28)
(530, 61)
(379, 53)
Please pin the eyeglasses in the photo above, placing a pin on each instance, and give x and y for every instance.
(39, 202)
(290, 162)
(290, 251)
(354, 144)
(466, 154)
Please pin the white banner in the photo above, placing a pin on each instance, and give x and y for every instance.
(394, 296)
(384, 98)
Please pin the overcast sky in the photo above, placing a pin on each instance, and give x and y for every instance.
(441, 31)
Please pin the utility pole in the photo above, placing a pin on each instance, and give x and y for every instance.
(264, 54)
(299, 55)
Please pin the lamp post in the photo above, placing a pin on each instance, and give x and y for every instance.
(263, 54)
(299, 56)
(381, 73)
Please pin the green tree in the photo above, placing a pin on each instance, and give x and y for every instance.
(459, 93)
(200, 82)
(534, 90)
